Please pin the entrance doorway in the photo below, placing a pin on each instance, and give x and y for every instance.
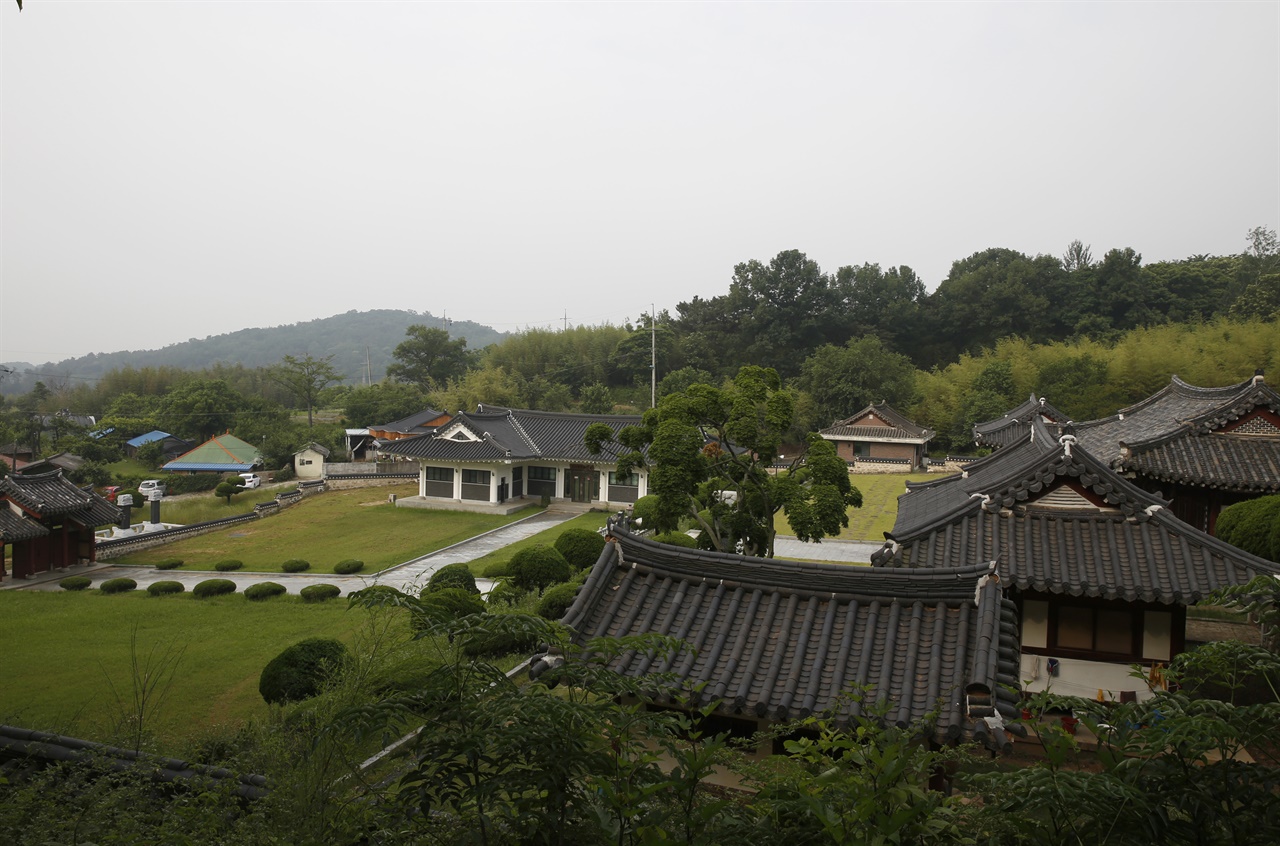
(584, 484)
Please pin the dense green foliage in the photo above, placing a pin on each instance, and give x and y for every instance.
(556, 600)
(1252, 525)
(228, 565)
(320, 593)
(302, 670)
(163, 588)
(120, 584)
(169, 564)
(446, 605)
(264, 590)
(348, 566)
(456, 575)
(580, 547)
(539, 567)
(213, 587)
(75, 583)
(295, 565)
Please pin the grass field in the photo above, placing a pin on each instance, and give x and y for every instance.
(330, 528)
(64, 651)
(879, 505)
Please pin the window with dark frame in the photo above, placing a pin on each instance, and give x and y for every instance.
(542, 474)
(439, 474)
(475, 477)
(1095, 629)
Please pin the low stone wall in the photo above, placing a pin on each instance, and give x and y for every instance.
(368, 480)
(880, 465)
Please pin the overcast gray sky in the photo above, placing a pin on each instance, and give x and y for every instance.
(183, 169)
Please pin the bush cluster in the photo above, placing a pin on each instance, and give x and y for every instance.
(75, 583)
(676, 539)
(556, 601)
(302, 670)
(263, 590)
(506, 592)
(539, 567)
(163, 588)
(1252, 525)
(319, 593)
(580, 547)
(169, 564)
(452, 576)
(295, 565)
(228, 565)
(446, 605)
(118, 585)
(213, 587)
(349, 566)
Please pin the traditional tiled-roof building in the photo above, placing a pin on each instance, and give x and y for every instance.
(493, 455)
(879, 433)
(1101, 569)
(1200, 448)
(49, 522)
(769, 640)
(421, 423)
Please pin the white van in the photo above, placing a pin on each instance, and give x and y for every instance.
(150, 485)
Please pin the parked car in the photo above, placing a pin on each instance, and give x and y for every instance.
(110, 491)
(149, 486)
(251, 480)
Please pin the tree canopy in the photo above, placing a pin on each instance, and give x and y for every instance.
(711, 453)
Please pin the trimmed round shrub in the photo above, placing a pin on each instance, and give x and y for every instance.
(378, 595)
(349, 566)
(264, 590)
(213, 587)
(295, 565)
(169, 564)
(452, 576)
(164, 588)
(319, 593)
(497, 570)
(498, 644)
(507, 592)
(75, 583)
(446, 605)
(580, 547)
(538, 567)
(120, 585)
(556, 601)
(302, 670)
(1252, 525)
(676, 539)
(228, 565)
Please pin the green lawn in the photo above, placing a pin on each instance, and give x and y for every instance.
(63, 651)
(879, 509)
(329, 528)
(547, 537)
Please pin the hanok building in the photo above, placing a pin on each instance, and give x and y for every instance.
(1101, 570)
(769, 640)
(879, 433)
(421, 423)
(1200, 448)
(505, 457)
(49, 522)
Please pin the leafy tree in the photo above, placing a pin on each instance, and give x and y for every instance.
(843, 380)
(596, 400)
(305, 378)
(1077, 257)
(711, 451)
(201, 408)
(428, 358)
(383, 402)
(228, 488)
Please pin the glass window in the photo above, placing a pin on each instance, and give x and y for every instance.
(439, 474)
(475, 477)
(542, 474)
(629, 480)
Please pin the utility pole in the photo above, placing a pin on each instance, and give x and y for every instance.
(653, 357)
(566, 320)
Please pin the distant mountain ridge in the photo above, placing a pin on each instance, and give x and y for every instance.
(354, 339)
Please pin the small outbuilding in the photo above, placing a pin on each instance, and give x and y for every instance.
(308, 462)
(49, 522)
(879, 433)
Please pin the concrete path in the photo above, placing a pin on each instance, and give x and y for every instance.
(839, 551)
(410, 577)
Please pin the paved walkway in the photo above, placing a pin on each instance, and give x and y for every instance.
(844, 552)
(411, 576)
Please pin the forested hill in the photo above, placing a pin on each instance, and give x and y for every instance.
(346, 337)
